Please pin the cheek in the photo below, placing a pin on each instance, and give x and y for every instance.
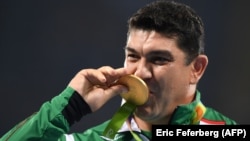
(170, 80)
(174, 83)
(125, 63)
(130, 67)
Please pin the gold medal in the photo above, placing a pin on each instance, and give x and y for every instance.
(137, 89)
(137, 95)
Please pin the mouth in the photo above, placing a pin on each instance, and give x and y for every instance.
(150, 96)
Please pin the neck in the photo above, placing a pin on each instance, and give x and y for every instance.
(147, 126)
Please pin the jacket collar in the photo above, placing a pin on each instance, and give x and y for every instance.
(183, 115)
(189, 113)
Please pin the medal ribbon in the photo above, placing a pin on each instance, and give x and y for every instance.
(118, 119)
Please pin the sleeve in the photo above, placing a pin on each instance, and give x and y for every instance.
(53, 119)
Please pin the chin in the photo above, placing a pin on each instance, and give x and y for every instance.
(142, 111)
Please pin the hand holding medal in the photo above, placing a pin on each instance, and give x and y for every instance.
(137, 95)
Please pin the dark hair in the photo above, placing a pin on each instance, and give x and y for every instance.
(173, 20)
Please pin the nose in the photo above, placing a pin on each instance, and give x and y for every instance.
(143, 70)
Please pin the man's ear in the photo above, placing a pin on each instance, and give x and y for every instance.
(199, 66)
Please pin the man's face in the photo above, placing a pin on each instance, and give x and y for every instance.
(161, 64)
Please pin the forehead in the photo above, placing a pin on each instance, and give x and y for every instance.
(146, 41)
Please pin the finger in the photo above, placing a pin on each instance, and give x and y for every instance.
(115, 90)
(95, 77)
(112, 74)
(98, 97)
(103, 76)
(121, 71)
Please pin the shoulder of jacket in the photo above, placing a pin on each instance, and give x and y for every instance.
(213, 117)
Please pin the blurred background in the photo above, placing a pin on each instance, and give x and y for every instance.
(44, 43)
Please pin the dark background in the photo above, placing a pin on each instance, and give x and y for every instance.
(44, 43)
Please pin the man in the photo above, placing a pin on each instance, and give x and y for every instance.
(165, 49)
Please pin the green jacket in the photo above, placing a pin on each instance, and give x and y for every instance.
(53, 121)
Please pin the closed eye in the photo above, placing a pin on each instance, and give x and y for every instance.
(132, 57)
(158, 60)
(160, 57)
(131, 54)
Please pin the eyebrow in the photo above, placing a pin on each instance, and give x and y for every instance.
(130, 49)
(156, 52)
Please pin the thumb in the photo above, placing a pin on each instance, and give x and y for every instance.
(115, 90)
